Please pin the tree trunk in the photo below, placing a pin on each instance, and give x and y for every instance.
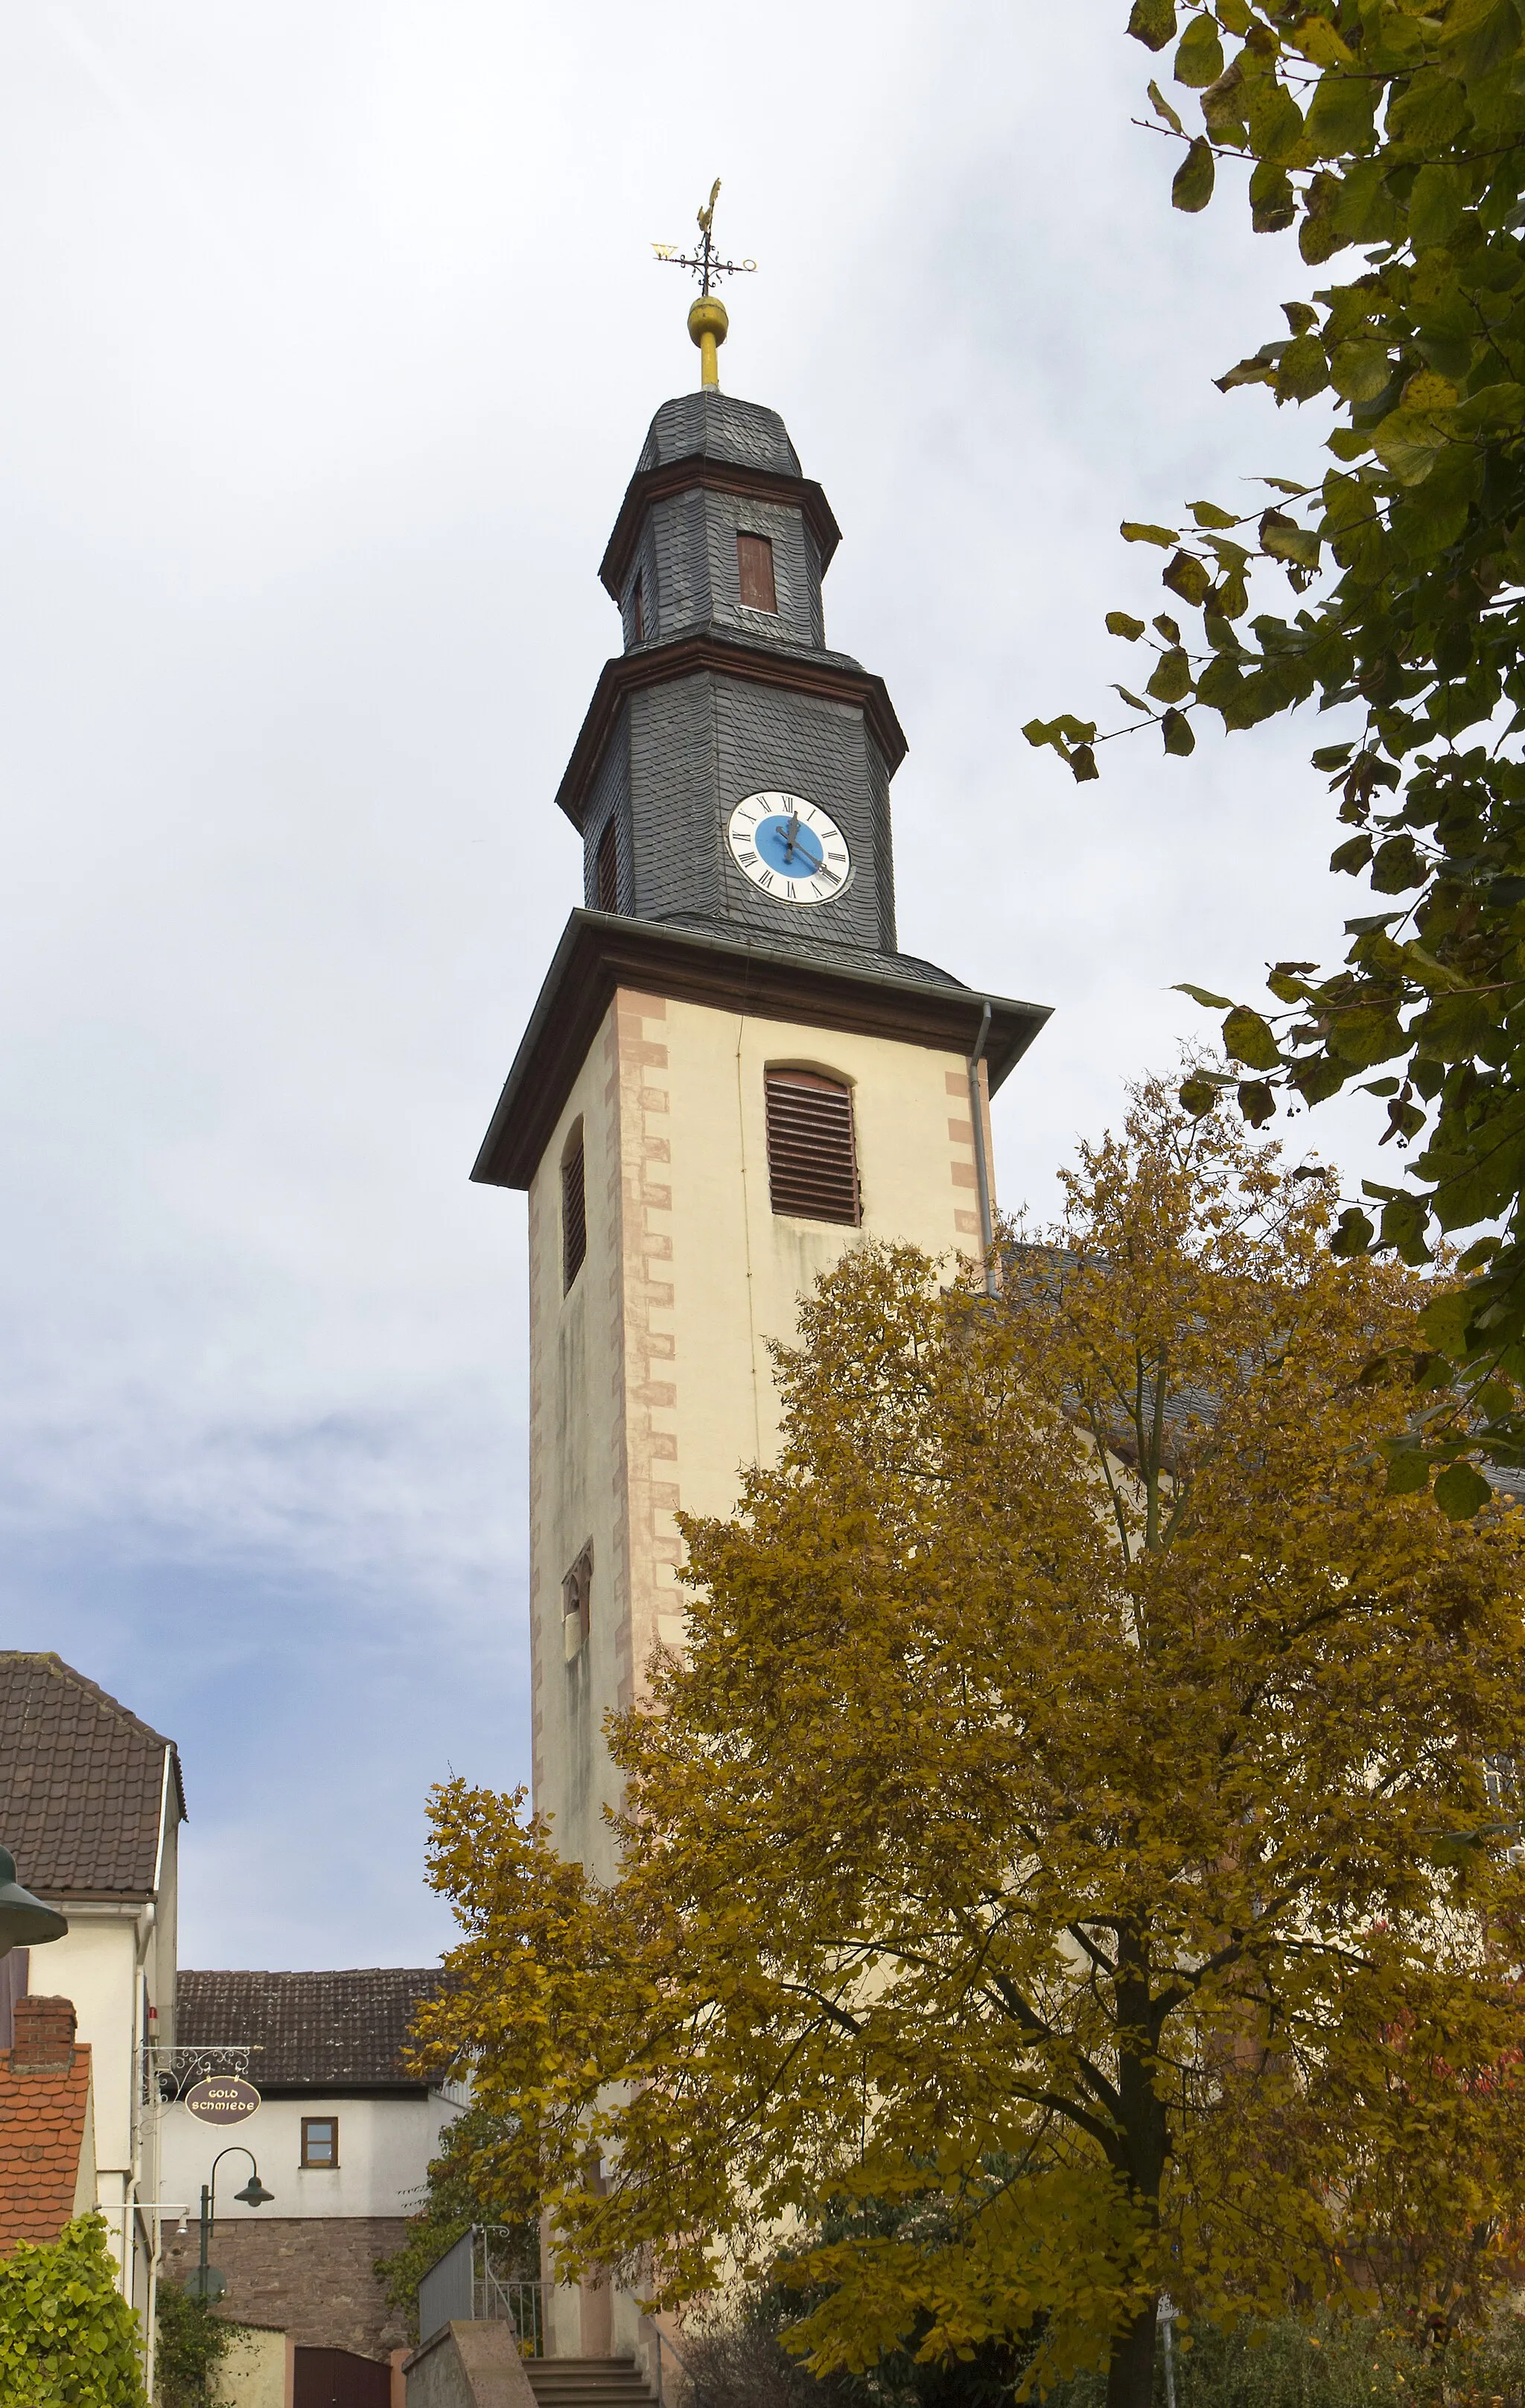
(1130, 2374)
(1144, 2137)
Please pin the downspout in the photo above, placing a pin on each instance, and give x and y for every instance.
(982, 1167)
(148, 2088)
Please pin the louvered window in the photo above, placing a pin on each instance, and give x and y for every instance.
(606, 879)
(574, 1214)
(638, 611)
(754, 567)
(812, 1161)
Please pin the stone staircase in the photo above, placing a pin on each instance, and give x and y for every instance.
(587, 2382)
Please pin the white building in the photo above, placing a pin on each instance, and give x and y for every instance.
(342, 2139)
(91, 1805)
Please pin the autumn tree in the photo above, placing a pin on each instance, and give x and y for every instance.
(1395, 127)
(1062, 1866)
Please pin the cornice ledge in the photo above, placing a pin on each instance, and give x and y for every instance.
(699, 471)
(826, 675)
(601, 951)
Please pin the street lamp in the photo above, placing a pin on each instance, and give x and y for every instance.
(25, 1921)
(252, 2194)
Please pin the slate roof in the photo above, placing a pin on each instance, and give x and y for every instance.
(709, 424)
(831, 953)
(42, 2130)
(311, 2031)
(82, 1783)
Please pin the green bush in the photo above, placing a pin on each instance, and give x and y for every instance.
(1325, 2361)
(192, 2344)
(1333, 2360)
(68, 2337)
(1322, 2361)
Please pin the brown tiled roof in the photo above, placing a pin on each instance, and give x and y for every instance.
(42, 2128)
(80, 1784)
(310, 2031)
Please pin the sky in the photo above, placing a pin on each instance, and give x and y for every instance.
(332, 330)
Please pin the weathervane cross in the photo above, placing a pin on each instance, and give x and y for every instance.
(708, 323)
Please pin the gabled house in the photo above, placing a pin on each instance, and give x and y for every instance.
(91, 1806)
(343, 2136)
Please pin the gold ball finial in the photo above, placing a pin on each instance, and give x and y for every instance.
(708, 326)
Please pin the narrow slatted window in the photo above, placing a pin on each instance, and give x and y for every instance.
(574, 1214)
(607, 880)
(577, 1603)
(638, 613)
(812, 1160)
(754, 566)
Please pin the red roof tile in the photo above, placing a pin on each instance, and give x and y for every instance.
(42, 2128)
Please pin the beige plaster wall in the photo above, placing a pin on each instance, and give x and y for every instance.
(650, 1383)
(578, 1456)
(253, 2371)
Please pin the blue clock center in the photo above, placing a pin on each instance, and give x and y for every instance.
(788, 846)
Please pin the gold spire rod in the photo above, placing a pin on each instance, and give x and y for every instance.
(708, 326)
(708, 323)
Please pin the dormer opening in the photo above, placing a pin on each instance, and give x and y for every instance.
(754, 571)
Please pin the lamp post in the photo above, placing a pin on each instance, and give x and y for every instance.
(25, 1921)
(252, 2194)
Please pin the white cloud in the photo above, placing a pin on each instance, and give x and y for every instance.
(332, 337)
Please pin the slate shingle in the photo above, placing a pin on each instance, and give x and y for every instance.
(81, 1781)
(312, 2031)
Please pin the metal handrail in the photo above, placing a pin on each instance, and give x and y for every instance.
(512, 2300)
(662, 2342)
(480, 2289)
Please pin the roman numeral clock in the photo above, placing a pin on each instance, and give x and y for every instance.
(730, 1074)
(788, 847)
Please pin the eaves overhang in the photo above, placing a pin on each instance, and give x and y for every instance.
(830, 677)
(687, 476)
(341, 2088)
(602, 952)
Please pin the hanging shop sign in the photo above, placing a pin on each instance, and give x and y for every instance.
(221, 2099)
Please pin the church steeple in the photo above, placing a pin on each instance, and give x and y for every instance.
(731, 1073)
(731, 780)
(726, 690)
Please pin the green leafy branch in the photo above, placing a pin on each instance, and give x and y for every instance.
(1397, 126)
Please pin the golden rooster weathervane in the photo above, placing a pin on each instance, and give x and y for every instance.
(708, 324)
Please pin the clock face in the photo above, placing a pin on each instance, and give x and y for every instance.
(790, 848)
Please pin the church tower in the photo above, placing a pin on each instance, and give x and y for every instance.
(732, 1073)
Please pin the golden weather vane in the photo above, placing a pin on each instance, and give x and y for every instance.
(708, 324)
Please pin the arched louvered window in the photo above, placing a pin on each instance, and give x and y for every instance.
(574, 1212)
(812, 1160)
(606, 870)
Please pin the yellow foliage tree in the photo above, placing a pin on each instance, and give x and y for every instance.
(1066, 1865)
